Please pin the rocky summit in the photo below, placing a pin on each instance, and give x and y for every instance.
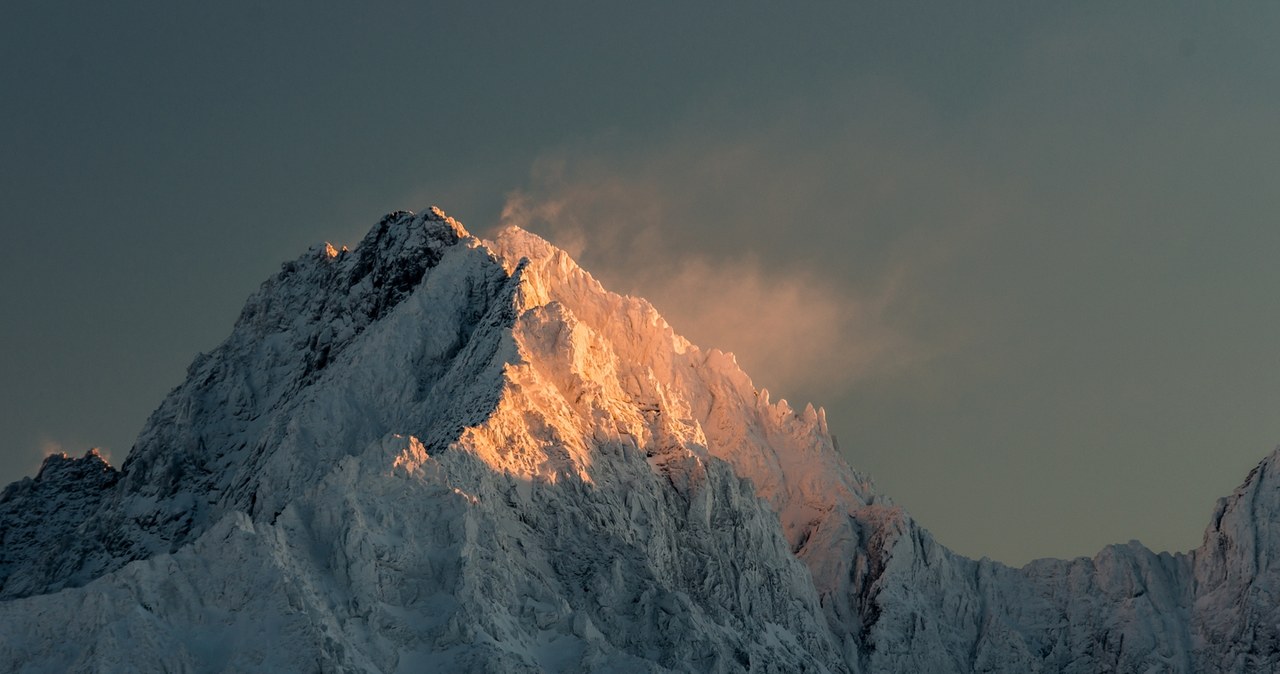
(439, 453)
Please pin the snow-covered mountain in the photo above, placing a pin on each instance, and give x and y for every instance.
(436, 453)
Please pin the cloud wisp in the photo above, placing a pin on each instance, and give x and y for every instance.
(794, 328)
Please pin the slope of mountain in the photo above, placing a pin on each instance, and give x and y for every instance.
(434, 452)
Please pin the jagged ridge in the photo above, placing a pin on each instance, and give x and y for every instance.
(438, 452)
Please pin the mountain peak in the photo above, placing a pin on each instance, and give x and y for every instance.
(59, 464)
(433, 452)
(402, 233)
(436, 213)
(513, 243)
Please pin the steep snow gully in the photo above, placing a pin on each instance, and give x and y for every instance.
(437, 453)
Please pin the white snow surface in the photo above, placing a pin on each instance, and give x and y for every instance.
(436, 453)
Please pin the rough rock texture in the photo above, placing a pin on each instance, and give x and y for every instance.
(439, 453)
(43, 542)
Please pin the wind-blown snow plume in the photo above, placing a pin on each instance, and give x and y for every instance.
(797, 327)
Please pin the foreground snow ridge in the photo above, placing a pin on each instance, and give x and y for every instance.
(437, 453)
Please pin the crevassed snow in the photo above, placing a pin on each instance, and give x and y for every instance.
(434, 453)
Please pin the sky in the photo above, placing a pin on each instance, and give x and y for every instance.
(1025, 254)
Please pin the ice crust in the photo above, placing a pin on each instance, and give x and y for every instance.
(436, 453)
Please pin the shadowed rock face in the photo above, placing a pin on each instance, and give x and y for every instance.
(436, 452)
(41, 540)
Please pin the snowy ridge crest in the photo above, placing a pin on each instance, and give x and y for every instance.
(437, 452)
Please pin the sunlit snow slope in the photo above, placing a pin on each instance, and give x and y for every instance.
(436, 453)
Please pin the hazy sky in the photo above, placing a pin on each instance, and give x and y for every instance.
(1026, 256)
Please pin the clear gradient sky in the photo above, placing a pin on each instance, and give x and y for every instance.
(1026, 254)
